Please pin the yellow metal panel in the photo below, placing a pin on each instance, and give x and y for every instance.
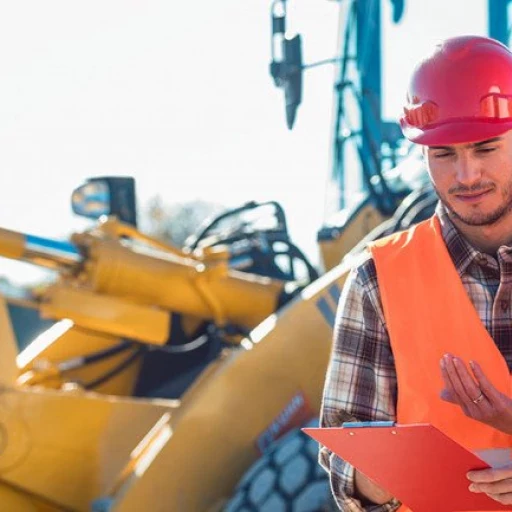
(366, 219)
(106, 314)
(9, 349)
(215, 430)
(12, 244)
(13, 500)
(66, 341)
(68, 448)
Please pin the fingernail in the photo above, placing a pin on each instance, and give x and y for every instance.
(472, 488)
(472, 364)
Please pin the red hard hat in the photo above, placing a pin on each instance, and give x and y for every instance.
(462, 92)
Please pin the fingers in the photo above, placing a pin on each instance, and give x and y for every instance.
(449, 388)
(505, 498)
(469, 389)
(500, 497)
(490, 475)
(458, 380)
(369, 489)
(501, 487)
(495, 482)
(474, 394)
(484, 384)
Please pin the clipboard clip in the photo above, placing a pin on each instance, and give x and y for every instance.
(362, 424)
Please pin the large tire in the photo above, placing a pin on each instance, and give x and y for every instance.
(287, 478)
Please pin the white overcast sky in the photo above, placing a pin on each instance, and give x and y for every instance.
(178, 95)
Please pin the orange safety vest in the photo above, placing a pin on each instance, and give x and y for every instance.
(428, 314)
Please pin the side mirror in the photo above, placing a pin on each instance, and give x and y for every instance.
(106, 195)
(398, 9)
(286, 70)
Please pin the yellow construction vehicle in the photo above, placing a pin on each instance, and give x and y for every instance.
(239, 357)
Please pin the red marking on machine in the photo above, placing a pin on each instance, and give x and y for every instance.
(296, 412)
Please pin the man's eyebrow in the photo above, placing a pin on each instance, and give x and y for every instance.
(441, 147)
(472, 145)
(484, 142)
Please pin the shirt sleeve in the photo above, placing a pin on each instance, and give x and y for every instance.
(361, 378)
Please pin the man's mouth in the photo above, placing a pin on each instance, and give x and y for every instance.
(472, 197)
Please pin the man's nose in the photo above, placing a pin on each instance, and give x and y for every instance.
(468, 170)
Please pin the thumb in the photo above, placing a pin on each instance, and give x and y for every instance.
(447, 396)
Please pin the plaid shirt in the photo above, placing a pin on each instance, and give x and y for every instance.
(361, 378)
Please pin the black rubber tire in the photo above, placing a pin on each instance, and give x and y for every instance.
(287, 478)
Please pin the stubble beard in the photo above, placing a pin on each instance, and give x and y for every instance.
(480, 218)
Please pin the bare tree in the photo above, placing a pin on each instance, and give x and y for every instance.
(176, 222)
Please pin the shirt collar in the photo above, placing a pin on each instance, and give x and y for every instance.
(460, 250)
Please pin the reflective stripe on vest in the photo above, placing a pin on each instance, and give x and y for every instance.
(428, 314)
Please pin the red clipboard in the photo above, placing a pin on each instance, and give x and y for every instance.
(418, 464)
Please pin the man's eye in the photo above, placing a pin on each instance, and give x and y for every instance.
(486, 150)
(442, 155)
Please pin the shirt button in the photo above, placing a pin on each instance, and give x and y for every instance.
(504, 304)
(482, 259)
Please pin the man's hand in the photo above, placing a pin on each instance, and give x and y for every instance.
(495, 482)
(368, 490)
(474, 394)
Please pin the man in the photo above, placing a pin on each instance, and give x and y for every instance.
(424, 324)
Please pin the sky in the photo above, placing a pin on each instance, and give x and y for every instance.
(178, 95)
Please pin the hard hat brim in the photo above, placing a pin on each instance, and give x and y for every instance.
(457, 132)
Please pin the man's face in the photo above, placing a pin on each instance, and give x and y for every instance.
(474, 181)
